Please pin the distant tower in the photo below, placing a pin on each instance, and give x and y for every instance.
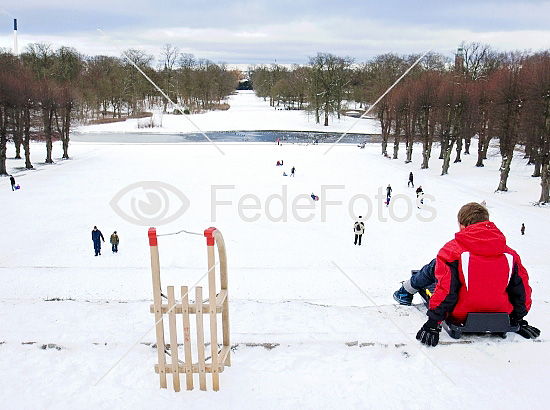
(15, 48)
(459, 60)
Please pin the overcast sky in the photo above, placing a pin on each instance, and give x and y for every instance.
(282, 31)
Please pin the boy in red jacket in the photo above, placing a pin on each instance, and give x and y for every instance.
(475, 272)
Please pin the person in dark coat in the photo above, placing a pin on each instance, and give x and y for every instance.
(12, 180)
(411, 180)
(292, 171)
(388, 194)
(523, 229)
(114, 242)
(97, 237)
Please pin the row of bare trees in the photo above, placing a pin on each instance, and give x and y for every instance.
(44, 91)
(500, 97)
(507, 99)
(115, 88)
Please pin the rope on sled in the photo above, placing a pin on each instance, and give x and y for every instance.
(182, 231)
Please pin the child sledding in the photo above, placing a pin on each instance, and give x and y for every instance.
(477, 283)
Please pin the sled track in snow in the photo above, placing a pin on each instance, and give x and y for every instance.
(477, 341)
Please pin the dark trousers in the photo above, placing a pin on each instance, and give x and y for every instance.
(425, 277)
(358, 237)
(97, 247)
(13, 187)
(115, 247)
(410, 183)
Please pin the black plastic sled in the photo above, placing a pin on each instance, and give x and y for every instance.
(494, 323)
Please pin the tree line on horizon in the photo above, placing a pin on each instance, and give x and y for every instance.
(44, 91)
(494, 96)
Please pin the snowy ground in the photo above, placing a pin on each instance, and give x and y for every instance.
(334, 348)
(247, 113)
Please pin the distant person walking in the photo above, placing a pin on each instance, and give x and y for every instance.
(523, 229)
(114, 242)
(411, 180)
(12, 180)
(388, 194)
(97, 237)
(292, 171)
(420, 194)
(358, 229)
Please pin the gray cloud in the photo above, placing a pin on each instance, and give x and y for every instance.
(286, 31)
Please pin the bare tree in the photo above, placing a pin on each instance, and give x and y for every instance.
(330, 79)
(536, 115)
(66, 71)
(169, 57)
(40, 58)
(425, 106)
(508, 105)
(479, 60)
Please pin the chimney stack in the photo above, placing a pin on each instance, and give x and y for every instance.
(15, 48)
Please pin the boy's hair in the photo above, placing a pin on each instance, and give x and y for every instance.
(472, 213)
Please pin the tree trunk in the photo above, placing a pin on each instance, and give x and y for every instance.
(482, 141)
(3, 140)
(458, 149)
(443, 148)
(545, 184)
(426, 142)
(385, 125)
(483, 146)
(17, 132)
(538, 164)
(317, 113)
(447, 158)
(66, 129)
(480, 145)
(27, 137)
(397, 137)
(47, 116)
(467, 142)
(426, 151)
(505, 171)
(486, 146)
(409, 152)
(410, 142)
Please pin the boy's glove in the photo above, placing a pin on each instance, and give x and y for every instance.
(525, 330)
(429, 333)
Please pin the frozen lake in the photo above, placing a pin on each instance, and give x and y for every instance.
(222, 136)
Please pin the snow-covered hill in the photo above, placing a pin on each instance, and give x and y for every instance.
(67, 316)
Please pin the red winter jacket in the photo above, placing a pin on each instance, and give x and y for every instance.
(478, 272)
